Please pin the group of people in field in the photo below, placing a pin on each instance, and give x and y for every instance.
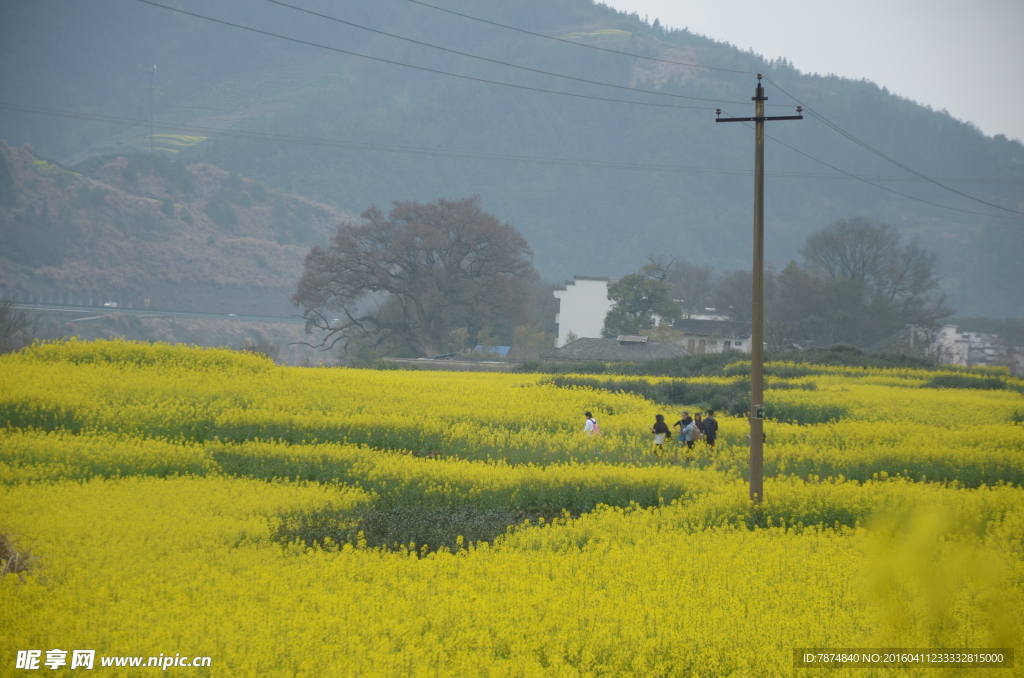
(691, 430)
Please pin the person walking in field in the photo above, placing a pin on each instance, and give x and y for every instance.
(686, 427)
(591, 428)
(688, 433)
(709, 427)
(661, 434)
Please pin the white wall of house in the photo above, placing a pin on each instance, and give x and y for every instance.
(952, 346)
(695, 345)
(582, 305)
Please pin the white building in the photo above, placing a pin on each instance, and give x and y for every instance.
(949, 346)
(582, 305)
(952, 345)
(702, 335)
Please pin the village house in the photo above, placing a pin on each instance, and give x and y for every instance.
(701, 335)
(955, 347)
(582, 305)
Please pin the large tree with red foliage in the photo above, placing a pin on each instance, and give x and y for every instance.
(410, 279)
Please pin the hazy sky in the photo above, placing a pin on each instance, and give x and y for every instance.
(965, 56)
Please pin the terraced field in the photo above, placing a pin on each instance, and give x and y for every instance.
(296, 521)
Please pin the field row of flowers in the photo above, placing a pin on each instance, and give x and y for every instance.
(394, 480)
(147, 565)
(209, 503)
(159, 391)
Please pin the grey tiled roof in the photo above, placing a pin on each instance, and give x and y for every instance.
(614, 351)
(705, 328)
(583, 277)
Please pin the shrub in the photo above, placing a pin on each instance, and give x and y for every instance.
(428, 528)
(965, 381)
(731, 397)
(221, 212)
(173, 171)
(91, 197)
(15, 559)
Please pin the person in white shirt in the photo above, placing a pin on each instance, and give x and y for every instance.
(591, 428)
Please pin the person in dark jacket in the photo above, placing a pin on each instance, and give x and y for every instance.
(710, 428)
(661, 433)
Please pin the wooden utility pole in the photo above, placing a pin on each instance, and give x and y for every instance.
(757, 312)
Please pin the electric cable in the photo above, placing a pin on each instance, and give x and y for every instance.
(813, 113)
(885, 157)
(579, 44)
(870, 183)
(468, 155)
(418, 68)
(413, 150)
(495, 61)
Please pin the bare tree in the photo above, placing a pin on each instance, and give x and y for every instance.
(733, 295)
(657, 268)
(905, 276)
(855, 249)
(909, 272)
(693, 285)
(411, 278)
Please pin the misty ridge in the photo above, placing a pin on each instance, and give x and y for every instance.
(594, 186)
(131, 224)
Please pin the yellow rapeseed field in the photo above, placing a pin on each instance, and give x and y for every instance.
(198, 502)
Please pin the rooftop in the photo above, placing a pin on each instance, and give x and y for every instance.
(728, 329)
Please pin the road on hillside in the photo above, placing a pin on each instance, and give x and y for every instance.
(79, 313)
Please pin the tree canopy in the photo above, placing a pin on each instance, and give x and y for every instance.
(870, 252)
(408, 281)
(638, 299)
(858, 284)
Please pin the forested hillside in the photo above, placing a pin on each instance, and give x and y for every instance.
(594, 185)
(190, 237)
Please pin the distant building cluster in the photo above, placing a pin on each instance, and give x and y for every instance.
(583, 305)
(957, 347)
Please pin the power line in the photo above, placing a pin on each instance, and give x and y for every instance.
(908, 169)
(870, 183)
(418, 68)
(882, 155)
(814, 113)
(413, 150)
(579, 44)
(467, 155)
(494, 61)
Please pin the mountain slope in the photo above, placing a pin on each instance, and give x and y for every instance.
(193, 237)
(687, 190)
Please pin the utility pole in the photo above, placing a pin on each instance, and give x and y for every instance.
(757, 312)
